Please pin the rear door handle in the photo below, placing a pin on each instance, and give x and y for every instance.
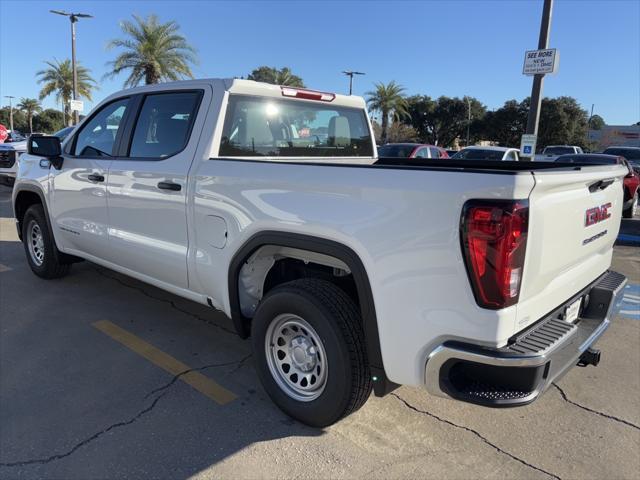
(94, 177)
(175, 187)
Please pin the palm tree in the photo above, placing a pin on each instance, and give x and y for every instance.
(30, 106)
(388, 99)
(153, 51)
(58, 79)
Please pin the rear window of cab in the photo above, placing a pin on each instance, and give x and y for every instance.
(272, 127)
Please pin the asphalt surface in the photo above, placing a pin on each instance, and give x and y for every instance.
(78, 401)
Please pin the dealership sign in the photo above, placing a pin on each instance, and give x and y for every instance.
(540, 61)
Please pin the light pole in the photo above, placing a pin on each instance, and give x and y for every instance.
(10, 97)
(468, 118)
(538, 78)
(73, 17)
(350, 74)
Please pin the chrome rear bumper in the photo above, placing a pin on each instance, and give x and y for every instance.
(522, 370)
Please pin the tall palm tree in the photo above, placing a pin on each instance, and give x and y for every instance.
(388, 99)
(58, 79)
(30, 106)
(153, 51)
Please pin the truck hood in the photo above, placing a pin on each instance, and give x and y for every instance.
(17, 146)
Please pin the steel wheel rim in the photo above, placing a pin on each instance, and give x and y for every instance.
(35, 241)
(296, 357)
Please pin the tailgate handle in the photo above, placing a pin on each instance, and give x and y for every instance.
(600, 185)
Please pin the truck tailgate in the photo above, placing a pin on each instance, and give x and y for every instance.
(574, 218)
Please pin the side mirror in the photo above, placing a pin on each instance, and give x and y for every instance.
(48, 147)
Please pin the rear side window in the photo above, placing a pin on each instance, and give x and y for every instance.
(164, 124)
(435, 152)
(98, 136)
(258, 126)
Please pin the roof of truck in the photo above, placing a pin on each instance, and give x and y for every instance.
(241, 86)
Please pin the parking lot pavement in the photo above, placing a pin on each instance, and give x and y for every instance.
(102, 376)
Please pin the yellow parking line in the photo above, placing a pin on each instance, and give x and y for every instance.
(203, 384)
(8, 232)
(4, 268)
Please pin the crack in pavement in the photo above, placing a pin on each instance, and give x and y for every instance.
(170, 302)
(164, 389)
(477, 434)
(605, 415)
(238, 363)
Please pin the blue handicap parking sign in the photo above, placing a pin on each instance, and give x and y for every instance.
(527, 149)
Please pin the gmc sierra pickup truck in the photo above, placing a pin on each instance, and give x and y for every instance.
(482, 281)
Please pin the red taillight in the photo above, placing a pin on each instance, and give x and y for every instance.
(494, 240)
(307, 94)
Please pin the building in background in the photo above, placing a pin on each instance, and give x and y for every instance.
(627, 135)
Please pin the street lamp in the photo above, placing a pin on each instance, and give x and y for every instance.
(10, 97)
(73, 17)
(350, 74)
(468, 118)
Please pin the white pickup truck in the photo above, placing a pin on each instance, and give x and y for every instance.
(551, 152)
(481, 281)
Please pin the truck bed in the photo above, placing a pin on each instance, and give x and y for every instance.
(484, 166)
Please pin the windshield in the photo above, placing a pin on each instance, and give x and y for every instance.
(558, 150)
(479, 154)
(396, 150)
(259, 126)
(631, 154)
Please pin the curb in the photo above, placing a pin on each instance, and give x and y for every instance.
(630, 240)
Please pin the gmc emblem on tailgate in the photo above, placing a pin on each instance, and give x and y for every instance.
(597, 214)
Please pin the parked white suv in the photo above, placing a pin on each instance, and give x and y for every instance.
(488, 153)
(482, 281)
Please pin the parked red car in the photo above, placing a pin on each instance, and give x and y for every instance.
(631, 181)
(411, 150)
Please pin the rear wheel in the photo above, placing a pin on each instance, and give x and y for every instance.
(309, 347)
(42, 254)
(633, 208)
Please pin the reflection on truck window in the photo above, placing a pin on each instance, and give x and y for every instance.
(164, 124)
(98, 136)
(285, 128)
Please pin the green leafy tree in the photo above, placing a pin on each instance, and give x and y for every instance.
(596, 122)
(49, 121)
(153, 52)
(19, 119)
(443, 120)
(58, 80)
(506, 124)
(562, 122)
(397, 133)
(30, 106)
(389, 100)
(275, 76)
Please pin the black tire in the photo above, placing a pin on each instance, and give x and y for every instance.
(336, 320)
(51, 265)
(628, 212)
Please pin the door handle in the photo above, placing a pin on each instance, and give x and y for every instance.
(175, 187)
(94, 177)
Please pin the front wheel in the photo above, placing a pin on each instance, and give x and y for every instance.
(633, 208)
(309, 347)
(42, 254)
